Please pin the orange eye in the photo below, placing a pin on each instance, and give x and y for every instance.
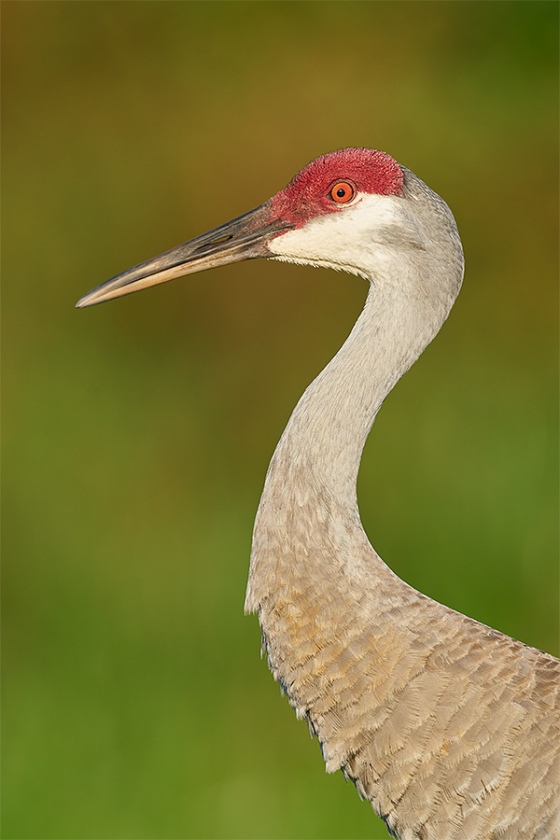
(342, 192)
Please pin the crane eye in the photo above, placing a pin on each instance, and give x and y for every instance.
(342, 192)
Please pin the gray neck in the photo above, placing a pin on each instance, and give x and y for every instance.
(327, 431)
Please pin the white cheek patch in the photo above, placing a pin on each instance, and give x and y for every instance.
(344, 239)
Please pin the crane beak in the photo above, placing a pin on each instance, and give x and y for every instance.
(244, 238)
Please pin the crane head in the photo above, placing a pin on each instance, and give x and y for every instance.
(342, 211)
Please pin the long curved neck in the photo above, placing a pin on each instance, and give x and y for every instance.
(310, 489)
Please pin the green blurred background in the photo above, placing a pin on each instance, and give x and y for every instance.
(137, 434)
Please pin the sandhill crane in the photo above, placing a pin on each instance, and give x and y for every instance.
(449, 728)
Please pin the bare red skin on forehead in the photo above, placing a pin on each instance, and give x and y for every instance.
(307, 195)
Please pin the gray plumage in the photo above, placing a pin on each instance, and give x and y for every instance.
(450, 729)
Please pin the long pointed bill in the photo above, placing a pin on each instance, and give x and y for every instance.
(244, 238)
